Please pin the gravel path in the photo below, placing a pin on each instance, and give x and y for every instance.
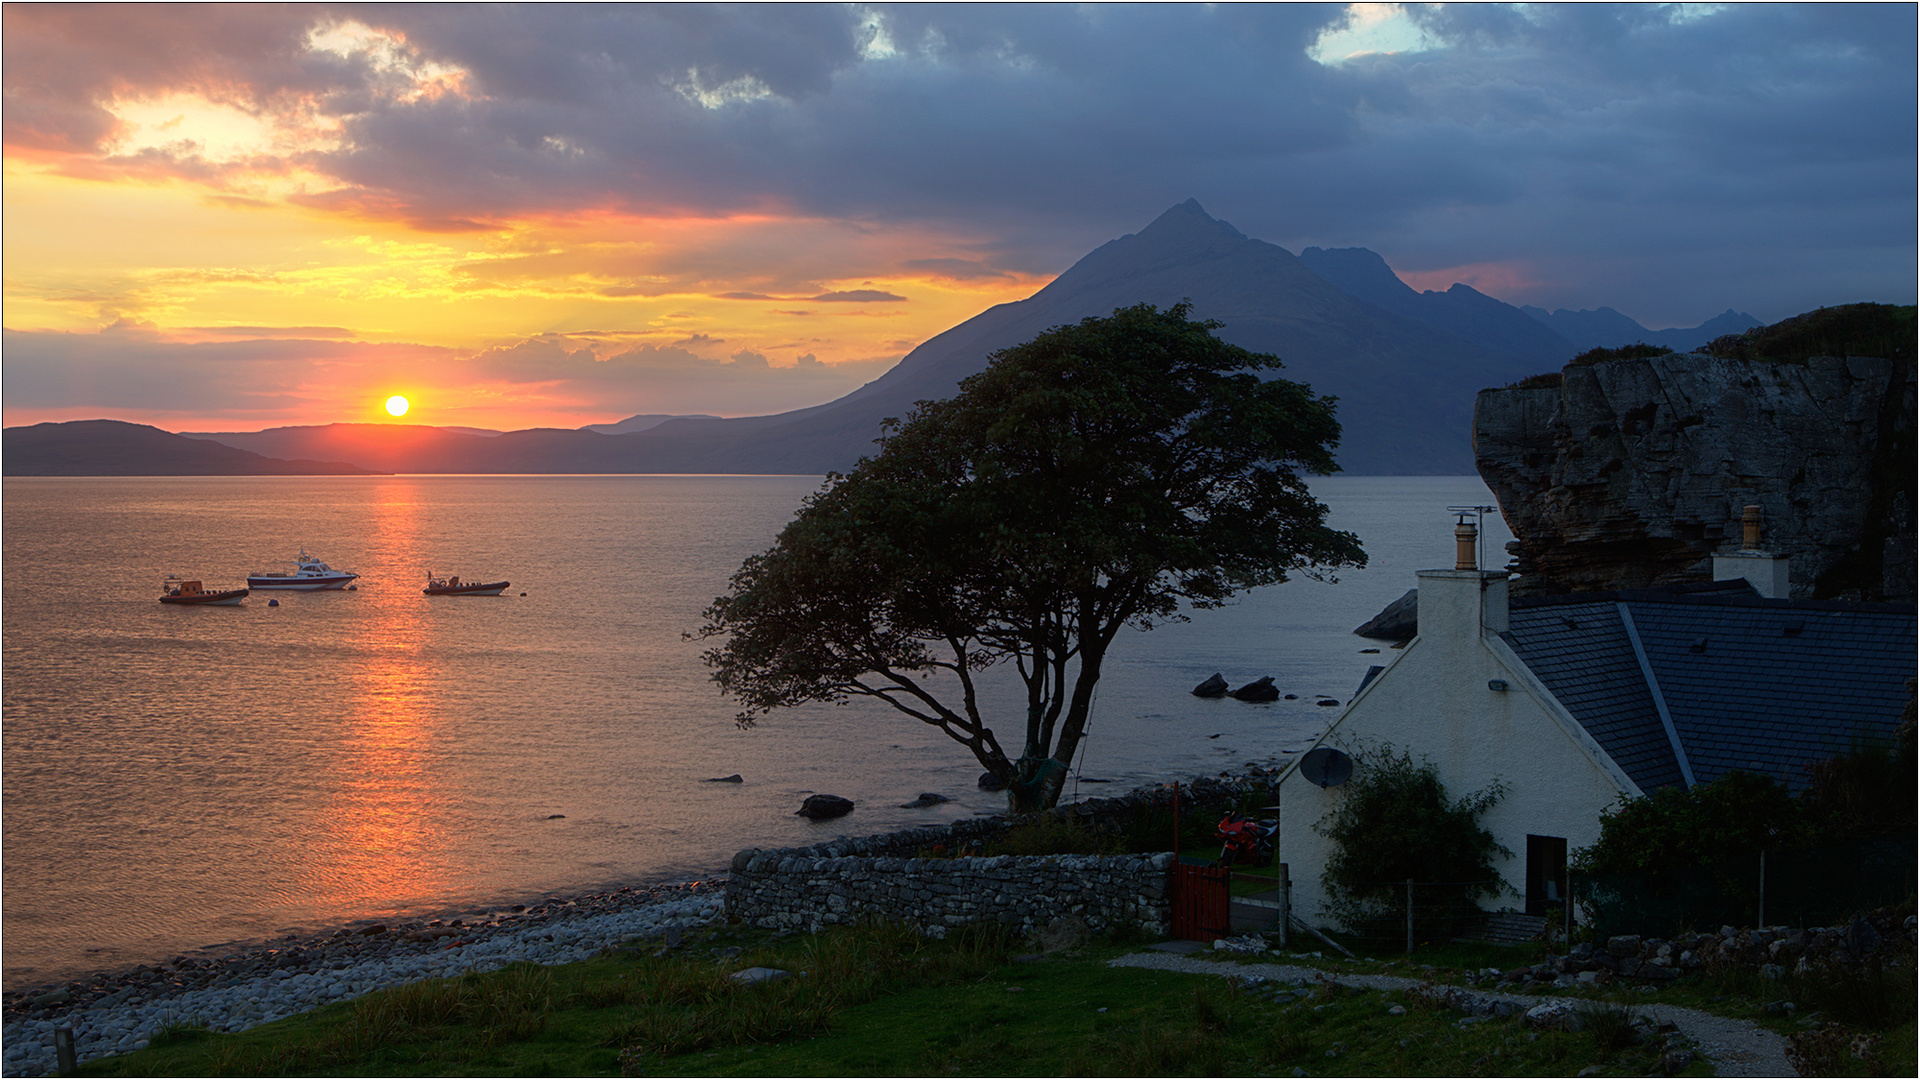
(1735, 1047)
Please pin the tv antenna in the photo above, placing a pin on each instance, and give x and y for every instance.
(1478, 514)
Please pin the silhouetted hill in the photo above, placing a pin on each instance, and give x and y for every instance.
(1461, 311)
(116, 448)
(1605, 328)
(1405, 393)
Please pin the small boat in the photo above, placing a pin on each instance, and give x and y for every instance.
(453, 586)
(311, 574)
(176, 591)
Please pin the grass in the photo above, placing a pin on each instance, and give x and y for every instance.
(879, 1001)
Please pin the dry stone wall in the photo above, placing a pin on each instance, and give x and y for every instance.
(896, 877)
(788, 891)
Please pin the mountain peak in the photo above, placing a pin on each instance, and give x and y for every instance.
(1190, 220)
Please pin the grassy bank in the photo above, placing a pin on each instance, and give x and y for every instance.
(878, 1001)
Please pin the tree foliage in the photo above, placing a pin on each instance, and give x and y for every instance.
(1097, 477)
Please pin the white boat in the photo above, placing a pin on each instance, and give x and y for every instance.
(311, 574)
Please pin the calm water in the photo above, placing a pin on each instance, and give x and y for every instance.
(176, 778)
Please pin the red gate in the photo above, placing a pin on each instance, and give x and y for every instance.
(1202, 910)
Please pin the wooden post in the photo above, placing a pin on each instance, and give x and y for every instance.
(1176, 821)
(1760, 918)
(63, 1053)
(1409, 916)
(1284, 894)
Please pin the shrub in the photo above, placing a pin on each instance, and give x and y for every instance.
(1395, 822)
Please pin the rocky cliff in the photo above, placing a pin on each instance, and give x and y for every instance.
(1633, 471)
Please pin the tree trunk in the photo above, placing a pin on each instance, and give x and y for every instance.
(1035, 785)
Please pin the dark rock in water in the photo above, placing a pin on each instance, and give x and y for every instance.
(818, 807)
(1326, 701)
(1214, 687)
(927, 798)
(734, 779)
(1261, 689)
(555, 817)
(1398, 621)
(1293, 697)
(990, 782)
(1095, 780)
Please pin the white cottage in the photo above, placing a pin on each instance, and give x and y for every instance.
(1573, 701)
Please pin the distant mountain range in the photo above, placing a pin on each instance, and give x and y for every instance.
(1405, 366)
(115, 448)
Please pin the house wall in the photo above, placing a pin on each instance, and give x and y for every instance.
(1434, 701)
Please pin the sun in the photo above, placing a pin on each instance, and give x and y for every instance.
(397, 405)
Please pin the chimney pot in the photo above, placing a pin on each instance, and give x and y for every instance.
(1750, 528)
(1465, 539)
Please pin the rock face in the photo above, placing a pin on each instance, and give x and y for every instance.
(1212, 688)
(1398, 621)
(1633, 472)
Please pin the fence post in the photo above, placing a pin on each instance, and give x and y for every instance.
(1409, 916)
(1760, 917)
(1284, 894)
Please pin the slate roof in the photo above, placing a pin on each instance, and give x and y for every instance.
(1736, 681)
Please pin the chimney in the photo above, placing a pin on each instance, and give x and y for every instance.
(1458, 605)
(1766, 572)
(1466, 536)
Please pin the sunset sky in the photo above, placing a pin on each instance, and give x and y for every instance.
(234, 217)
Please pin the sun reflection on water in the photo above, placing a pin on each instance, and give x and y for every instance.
(385, 837)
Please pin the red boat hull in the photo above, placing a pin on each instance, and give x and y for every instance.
(489, 589)
(223, 598)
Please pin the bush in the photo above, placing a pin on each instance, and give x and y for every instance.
(1395, 822)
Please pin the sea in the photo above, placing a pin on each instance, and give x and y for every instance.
(178, 778)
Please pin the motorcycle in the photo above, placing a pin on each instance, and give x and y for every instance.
(1245, 841)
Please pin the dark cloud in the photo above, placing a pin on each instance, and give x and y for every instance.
(858, 296)
(1667, 160)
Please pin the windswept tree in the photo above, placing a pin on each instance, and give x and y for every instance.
(1094, 478)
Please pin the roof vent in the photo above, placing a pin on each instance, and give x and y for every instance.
(1699, 645)
(1792, 629)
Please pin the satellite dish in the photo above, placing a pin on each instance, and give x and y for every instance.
(1326, 766)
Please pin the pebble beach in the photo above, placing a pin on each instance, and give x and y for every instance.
(235, 990)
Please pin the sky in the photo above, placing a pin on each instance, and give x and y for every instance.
(235, 217)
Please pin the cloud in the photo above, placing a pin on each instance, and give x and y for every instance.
(954, 269)
(857, 296)
(1623, 150)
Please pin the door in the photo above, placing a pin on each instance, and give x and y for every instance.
(1546, 874)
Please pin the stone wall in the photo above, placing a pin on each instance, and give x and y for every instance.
(896, 877)
(783, 890)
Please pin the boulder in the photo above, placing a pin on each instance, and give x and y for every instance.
(1261, 689)
(734, 779)
(819, 807)
(927, 798)
(1212, 688)
(990, 782)
(1398, 621)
